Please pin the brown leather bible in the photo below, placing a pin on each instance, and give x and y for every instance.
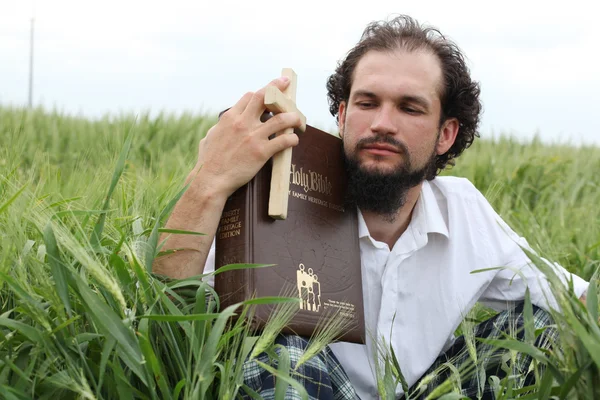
(315, 249)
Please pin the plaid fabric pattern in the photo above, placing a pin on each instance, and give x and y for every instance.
(322, 376)
(467, 370)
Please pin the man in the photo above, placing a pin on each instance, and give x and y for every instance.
(406, 107)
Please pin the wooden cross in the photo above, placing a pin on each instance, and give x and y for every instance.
(277, 102)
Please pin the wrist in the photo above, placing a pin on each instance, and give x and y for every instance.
(205, 187)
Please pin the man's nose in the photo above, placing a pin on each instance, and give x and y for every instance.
(383, 122)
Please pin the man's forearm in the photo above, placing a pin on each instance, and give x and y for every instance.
(231, 153)
(198, 210)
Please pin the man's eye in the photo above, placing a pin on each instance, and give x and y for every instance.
(365, 104)
(411, 110)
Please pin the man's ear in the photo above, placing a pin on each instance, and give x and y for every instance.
(342, 117)
(448, 133)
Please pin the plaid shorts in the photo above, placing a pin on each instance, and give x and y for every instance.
(476, 365)
(324, 378)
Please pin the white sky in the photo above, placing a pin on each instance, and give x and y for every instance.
(537, 61)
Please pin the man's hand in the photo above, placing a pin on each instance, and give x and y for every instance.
(232, 152)
(238, 146)
(583, 298)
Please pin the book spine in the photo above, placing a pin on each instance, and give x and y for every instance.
(232, 246)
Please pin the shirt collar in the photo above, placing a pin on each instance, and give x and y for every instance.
(427, 214)
(363, 231)
(426, 218)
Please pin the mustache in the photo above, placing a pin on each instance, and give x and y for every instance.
(383, 139)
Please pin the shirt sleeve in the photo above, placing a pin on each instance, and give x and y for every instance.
(518, 272)
(209, 266)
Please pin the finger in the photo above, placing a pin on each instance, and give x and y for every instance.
(257, 104)
(280, 143)
(241, 105)
(278, 123)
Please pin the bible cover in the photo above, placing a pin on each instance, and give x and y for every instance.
(315, 249)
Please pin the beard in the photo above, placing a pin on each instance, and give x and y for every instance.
(383, 192)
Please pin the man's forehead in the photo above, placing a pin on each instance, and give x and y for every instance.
(418, 69)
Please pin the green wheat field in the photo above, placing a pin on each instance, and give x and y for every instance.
(82, 204)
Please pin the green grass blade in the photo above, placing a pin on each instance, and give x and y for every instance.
(528, 319)
(389, 381)
(86, 337)
(250, 392)
(545, 387)
(270, 300)
(592, 296)
(518, 346)
(477, 271)
(177, 318)
(121, 272)
(118, 171)
(178, 388)
(110, 325)
(290, 381)
(590, 341)
(152, 363)
(107, 349)
(143, 278)
(172, 309)
(57, 267)
(525, 348)
(232, 267)
(399, 370)
(122, 384)
(4, 206)
(64, 201)
(176, 231)
(66, 323)
(12, 394)
(283, 371)
(24, 377)
(20, 292)
(573, 380)
(26, 330)
(151, 249)
(453, 396)
(32, 366)
(211, 347)
(194, 282)
(199, 327)
(75, 213)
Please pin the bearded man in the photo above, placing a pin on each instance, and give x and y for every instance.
(406, 108)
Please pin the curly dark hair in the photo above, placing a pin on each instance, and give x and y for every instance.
(459, 94)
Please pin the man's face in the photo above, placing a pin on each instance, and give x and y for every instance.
(391, 120)
(390, 127)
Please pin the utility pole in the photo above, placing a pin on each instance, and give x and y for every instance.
(31, 66)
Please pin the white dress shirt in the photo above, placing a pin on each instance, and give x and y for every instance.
(417, 293)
